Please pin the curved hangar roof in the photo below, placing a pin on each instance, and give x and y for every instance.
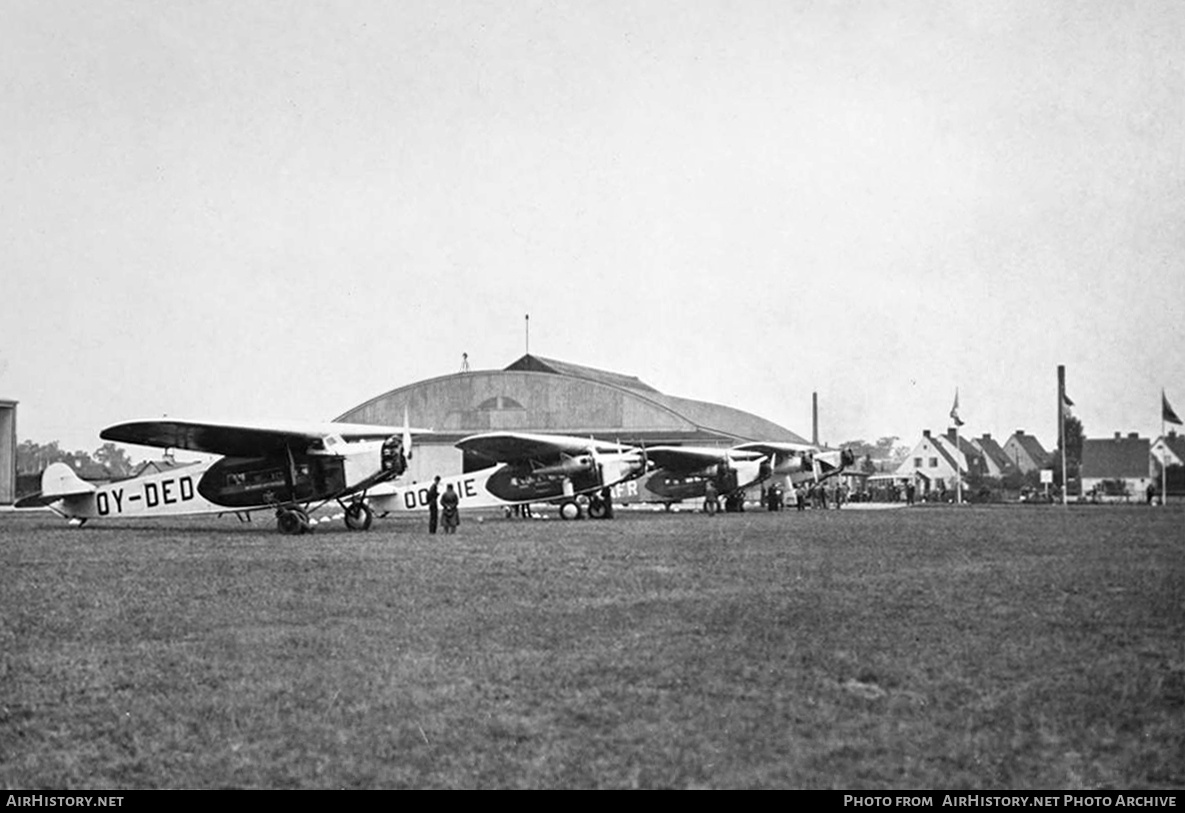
(543, 395)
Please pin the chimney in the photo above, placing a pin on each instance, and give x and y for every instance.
(1118, 435)
(925, 433)
(1133, 435)
(986, 436)
(815, 418)
(1020, 433)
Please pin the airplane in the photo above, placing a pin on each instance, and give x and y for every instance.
(683, 472)
(284, 467)
(528, 468)
(799, 462)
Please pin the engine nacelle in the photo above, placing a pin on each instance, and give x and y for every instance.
(568, 465)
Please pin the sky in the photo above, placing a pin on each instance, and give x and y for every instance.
(281, 210)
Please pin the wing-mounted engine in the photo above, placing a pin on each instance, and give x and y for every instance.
(569, 465)
(394, 456)
(725, 478)
(792, 463)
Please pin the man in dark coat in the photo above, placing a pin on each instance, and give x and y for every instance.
(433, 506)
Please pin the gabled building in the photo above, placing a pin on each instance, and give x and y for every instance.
(933, 463)
(159, 466)
(1117, 467)
(1170, 448)
(1026, 452)
(995, 459)
(964, 452)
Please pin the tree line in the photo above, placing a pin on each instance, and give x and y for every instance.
(33, 458)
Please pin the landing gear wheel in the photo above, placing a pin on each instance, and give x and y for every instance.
(597, 508)
(292, 521)
(570, 510)
(359, 516)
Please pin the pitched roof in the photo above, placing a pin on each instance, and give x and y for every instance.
(715, 417)
(1175, 443)
(969, 449)
(1115, 457)
(941, 443)
(157, 466)
(538, 364)
(1032, 447)
(994, 452)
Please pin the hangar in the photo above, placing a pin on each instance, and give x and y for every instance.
(536, 394)
(7, 451)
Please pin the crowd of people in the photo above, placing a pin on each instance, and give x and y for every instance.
(821, 496)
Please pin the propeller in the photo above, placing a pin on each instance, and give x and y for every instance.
(406, 434)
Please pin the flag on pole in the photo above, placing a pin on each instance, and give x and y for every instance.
(1166, 412)
(1066, 402)
(954, 410)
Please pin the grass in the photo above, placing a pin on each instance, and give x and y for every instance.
(1021, 647)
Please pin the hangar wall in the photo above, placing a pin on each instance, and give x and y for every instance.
(535, 394)
(7, 452)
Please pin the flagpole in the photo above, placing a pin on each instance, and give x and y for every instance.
(1061, 427)
(1164, 442)
(954, 416)
(958, 474)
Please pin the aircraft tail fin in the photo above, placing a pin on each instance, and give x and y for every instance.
(58, 482)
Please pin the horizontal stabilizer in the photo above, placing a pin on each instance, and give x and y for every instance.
(58, 481)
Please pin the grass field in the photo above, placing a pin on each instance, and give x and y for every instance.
(1017, 647)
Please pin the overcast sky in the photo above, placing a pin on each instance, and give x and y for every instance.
(283, 209)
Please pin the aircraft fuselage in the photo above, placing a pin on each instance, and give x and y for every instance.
(236, 484)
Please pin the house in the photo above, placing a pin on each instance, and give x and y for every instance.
(1118, 467)
(1169, 448)
(1026, 452)
(935, 462)
(1169, 451)
(996, 461)
(159, 466)
(969, 456)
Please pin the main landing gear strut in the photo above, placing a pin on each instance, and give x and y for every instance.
(294, 520)
(600, 506)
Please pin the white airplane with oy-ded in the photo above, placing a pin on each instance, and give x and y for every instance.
(526, 468)
(289, 468)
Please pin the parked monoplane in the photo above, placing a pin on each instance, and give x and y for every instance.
(289, 468)
(527, 468)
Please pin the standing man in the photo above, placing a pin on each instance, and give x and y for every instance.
(710, 504)
(448, 502)
(433, 507)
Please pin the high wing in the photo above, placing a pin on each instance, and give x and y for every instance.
(244, 439)
(520, 447)
(694, 458)
(777, 448)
